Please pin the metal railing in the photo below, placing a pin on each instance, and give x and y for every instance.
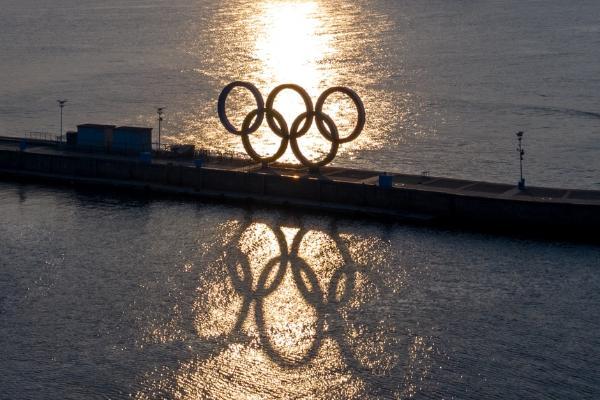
(43, 136)
(162, 151)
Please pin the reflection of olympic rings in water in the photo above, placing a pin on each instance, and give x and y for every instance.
(308, 285)
(327, 304)
(300, 126)
(366, 344)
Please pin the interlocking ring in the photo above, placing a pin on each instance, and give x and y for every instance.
(300, 126)
(305, 97)
(283, 134)
(260, 106)
(360, 108)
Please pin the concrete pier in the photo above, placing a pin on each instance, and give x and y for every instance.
(421, 199)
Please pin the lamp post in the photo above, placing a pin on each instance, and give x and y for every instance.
(159, 111)
(61, 104)
(521, 154)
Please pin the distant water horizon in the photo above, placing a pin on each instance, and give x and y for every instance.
(446, 85)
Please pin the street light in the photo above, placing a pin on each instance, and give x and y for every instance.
(159, 111)
(61, 104)
(521, 154)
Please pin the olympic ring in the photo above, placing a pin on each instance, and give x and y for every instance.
(360, 108)
(332, 136)
(260, 106)
(284, 137)
(302, 93)
(325, 124)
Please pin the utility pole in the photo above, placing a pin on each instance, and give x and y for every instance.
(159, 111)
(61, 104)
(521, 154)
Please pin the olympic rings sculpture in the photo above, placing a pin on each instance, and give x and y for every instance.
(299, 127)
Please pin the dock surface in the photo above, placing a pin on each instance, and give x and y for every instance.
(331, 189)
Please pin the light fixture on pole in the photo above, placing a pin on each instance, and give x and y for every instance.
(61, 104)
(521, 154)
(159, 111)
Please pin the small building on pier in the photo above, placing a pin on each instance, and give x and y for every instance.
(112, 139)
(95, 137)
(132, 139)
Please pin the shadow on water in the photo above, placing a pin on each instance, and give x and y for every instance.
(316, 311)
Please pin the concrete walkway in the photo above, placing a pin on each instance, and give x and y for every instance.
(356, 176)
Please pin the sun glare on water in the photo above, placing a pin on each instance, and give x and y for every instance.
(293, 46)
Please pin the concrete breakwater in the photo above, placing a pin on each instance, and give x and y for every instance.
(417, 198)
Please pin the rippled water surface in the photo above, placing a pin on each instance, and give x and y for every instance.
(109, 296)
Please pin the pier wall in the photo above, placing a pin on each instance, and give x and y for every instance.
(330, 194)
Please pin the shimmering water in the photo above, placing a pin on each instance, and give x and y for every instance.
(109, 296)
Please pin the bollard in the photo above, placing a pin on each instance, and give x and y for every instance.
(385, 181)
(146, 157)
(23, 145)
